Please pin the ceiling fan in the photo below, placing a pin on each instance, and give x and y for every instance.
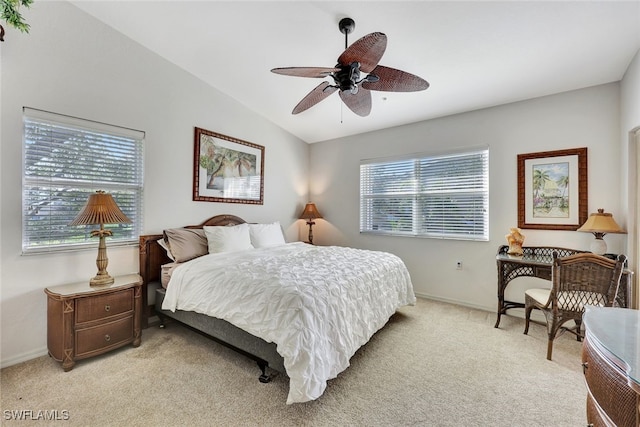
(356, 74)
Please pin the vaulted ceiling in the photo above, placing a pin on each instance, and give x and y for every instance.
(474, 54)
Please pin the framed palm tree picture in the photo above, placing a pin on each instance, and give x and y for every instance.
(552, 189)
(227, 169)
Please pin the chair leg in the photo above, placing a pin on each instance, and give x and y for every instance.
(578, 329)
(549, 348)
(527, 317)
(553, 331)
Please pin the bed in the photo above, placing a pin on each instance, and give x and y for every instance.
(295, 308)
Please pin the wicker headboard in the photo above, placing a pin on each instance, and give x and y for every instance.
(152, 256)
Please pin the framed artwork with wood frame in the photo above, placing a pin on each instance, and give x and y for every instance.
(227, 169)
(552, 189)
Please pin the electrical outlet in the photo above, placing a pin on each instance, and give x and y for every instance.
(458, 265)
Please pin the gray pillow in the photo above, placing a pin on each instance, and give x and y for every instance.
(186, 243)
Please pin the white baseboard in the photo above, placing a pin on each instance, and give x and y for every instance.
(24, 357)
(536, 316)
(456, 302)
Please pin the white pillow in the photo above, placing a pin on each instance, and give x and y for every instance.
(265, 235)
(227, 239)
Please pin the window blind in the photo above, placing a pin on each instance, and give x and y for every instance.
(443, 196)
(65, 159)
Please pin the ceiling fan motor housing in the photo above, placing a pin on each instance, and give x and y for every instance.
(348, 77)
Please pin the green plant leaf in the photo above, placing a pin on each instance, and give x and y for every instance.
(10, 14)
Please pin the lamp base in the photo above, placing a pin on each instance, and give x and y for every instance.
(101, 280)
(598, 246)
(310, 223)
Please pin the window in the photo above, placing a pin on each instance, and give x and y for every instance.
(444, 196)
(64, 160)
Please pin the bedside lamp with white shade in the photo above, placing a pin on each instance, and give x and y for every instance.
(600, 223)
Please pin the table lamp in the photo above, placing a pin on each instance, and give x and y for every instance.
(310, 213)
(101, 209)
(600, 223)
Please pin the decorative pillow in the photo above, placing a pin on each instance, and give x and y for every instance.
(265, 235)
(165, 246)
(186, 243)
(222, 238)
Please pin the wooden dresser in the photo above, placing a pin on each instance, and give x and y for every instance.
(611, 365)
(84, 321)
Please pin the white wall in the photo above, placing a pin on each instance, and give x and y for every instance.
(629, 159)
(72, 64)
(584, 118)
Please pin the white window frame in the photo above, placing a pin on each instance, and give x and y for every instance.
(417, 196)
(55, 188)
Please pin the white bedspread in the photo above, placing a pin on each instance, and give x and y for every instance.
(319, 304)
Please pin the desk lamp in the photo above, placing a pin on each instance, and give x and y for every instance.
(101, 209)
(310, 213)
(599, 224)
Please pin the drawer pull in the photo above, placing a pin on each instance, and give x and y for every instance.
(107, 307)
(585, 366)
(107, 338)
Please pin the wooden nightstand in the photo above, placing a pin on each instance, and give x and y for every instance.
(84, 321)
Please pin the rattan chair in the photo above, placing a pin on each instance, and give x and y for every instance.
(577, 280)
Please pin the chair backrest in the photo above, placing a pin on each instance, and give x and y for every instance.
(585, 279)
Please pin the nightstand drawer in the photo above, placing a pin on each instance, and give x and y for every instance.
(103, 306)
(99, 338)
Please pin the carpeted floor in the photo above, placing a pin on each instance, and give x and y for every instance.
(433, 364)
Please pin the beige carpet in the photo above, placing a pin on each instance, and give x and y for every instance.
(434, 364)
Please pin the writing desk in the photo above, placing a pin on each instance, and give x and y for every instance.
(536, 261)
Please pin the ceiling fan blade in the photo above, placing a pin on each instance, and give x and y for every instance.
(315, 72)
(359, 103)
(367, 51)
(392, 80)
(320, 92)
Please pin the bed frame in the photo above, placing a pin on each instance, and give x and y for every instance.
(153, 256)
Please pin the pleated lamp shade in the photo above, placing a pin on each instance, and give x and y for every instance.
(100, 209)
(310, 212)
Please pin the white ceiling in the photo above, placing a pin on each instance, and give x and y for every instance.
(474, 54)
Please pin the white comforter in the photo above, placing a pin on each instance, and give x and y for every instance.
(319, 304)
